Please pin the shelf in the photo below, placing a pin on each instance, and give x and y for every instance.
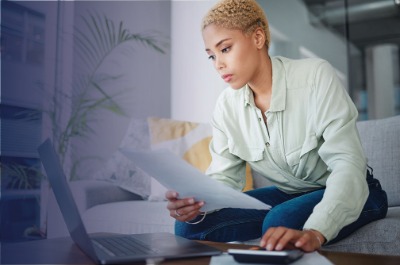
(20, 154)
(20, 104)
(19, 194)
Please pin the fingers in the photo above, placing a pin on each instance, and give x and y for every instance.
(279, 238)
(187, 213)
(171, 195)
(310, 241)
(182, 209)
(304, 242)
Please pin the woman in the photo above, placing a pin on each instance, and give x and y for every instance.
(294, 123)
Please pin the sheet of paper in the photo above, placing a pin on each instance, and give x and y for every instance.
(308, 259)
(178, 175)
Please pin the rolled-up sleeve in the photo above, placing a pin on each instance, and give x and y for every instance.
(346, 187)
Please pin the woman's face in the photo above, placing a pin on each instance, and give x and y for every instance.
(235, 55)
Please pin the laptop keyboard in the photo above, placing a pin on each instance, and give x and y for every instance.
(122, 246)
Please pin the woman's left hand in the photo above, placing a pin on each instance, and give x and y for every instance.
(279, 238)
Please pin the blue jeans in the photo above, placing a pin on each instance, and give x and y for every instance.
(289, 210)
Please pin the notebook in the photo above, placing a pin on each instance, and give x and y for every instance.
(113, 248)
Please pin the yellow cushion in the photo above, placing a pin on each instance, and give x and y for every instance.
(189, 140)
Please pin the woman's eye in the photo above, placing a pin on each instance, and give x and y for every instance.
(211, 57)
(224, 50)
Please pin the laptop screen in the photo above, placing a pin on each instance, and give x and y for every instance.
(63, 194)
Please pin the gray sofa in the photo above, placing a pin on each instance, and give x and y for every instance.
(108, 208)
(381, 142)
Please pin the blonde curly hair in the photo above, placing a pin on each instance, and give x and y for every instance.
(244, 15)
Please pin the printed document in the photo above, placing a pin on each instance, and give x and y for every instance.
(178, 175)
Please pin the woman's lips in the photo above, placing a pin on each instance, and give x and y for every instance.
(227, 78)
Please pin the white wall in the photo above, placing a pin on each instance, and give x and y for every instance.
(195, 84)
(145, 74)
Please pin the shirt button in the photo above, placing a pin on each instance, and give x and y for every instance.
(267, 144)
(259, 119)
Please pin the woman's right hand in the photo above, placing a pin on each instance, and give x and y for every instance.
(183, 210)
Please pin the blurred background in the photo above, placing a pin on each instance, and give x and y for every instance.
(79, 71)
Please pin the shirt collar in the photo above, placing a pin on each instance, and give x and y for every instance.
(278, 99)
(248, 96)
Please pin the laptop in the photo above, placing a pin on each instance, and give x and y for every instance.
(113, 248)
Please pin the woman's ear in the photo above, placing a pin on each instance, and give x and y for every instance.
(259, 38)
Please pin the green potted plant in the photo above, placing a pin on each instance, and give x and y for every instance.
(94, 43)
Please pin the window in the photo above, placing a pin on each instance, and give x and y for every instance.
(22, 37)
(22, 71)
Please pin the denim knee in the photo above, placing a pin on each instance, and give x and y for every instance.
(273, 219)
(224, 226)
(289, 217)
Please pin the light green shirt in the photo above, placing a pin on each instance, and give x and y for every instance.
(310, 141)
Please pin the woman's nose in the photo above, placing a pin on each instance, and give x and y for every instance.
(219, 64)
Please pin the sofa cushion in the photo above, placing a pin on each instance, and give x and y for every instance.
(189, 140)
(381, 143)
(89, 193)
(379, 237)
(129, 217)
(120, 171)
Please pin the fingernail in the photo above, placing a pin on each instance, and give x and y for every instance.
(201, 203)
(269, 247)
(298, 244)
(279, 247)
(262, 243)
(191, 201)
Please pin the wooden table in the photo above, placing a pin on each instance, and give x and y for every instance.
(338, 258)
(64, 251)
